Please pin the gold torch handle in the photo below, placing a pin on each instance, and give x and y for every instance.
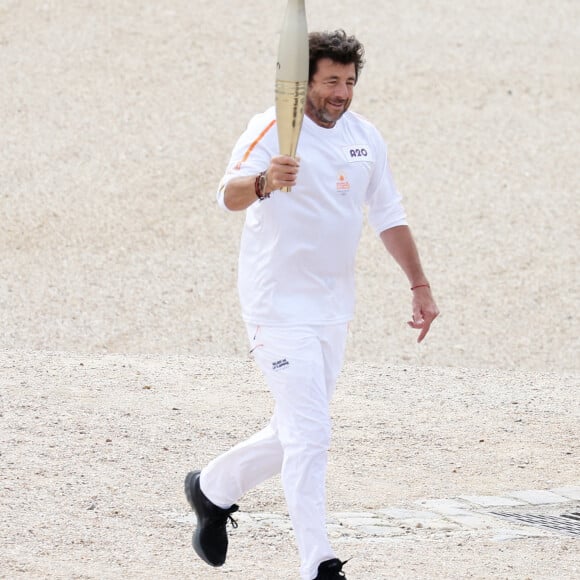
(291, 77)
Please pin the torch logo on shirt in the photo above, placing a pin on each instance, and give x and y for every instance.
(342, 184)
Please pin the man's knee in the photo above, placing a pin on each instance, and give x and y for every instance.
(307, 437)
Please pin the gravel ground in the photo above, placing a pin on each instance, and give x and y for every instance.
(95, 448)
(123, 355)
(118, 118)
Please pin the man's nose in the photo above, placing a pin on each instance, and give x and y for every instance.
(341, 90)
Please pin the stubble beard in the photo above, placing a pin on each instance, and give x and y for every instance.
(323, 117)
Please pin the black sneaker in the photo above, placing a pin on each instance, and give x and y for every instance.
(331, 570)
(210, 539)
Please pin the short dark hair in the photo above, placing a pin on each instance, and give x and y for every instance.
(337, 46)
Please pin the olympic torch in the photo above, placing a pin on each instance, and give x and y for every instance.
(291, 77)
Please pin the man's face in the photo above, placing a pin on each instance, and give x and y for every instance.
(330, 92)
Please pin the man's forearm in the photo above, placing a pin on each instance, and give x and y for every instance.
(400, 244)
(240, 193)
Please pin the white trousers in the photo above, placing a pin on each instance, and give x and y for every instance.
(301, 366)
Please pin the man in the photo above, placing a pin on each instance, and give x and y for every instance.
(296, 285)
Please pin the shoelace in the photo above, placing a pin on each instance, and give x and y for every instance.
(335, 572)
(339, 572)
(225, 517)
(233, 522)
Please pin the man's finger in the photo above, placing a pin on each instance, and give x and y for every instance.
(423, 332)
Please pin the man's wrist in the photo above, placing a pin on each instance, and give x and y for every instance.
(261, 185)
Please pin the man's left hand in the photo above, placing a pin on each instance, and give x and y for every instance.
(425, 311)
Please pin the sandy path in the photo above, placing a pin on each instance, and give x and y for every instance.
(95, 448)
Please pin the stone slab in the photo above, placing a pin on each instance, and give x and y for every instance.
(572, 492)
(538, 497)
(444, 506)
(491, 500)
(406, 514)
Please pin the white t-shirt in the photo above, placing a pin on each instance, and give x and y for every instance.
(298, 249)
